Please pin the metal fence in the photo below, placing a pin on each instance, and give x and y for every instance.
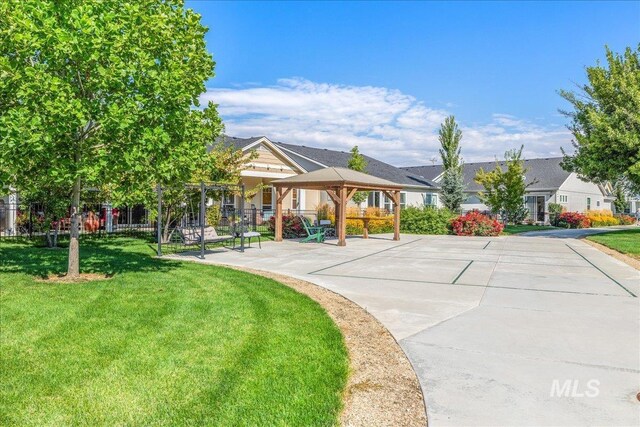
(34, 222)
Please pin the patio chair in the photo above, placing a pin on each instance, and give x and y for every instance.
(235, 230)
(313, 232)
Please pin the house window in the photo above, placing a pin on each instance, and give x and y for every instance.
(267, 199)
(388, 203)
(295, 204)
(588, 203)
(374, 199)
(430, 199)
(564, 198)
(228, 201)
(598, 203)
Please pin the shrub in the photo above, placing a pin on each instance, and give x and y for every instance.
(473, 223)
(602, 218)
(378, 226)
(425, 220)
(325, 212)
(626, 220)
(555, 209)
(292, 227)
(573, 220)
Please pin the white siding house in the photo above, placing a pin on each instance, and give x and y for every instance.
(549, 184)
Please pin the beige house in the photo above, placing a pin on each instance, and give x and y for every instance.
(275, 160)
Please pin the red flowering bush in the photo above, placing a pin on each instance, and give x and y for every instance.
(573, 220)
(626, 219)
(473, 223)
(292, 227)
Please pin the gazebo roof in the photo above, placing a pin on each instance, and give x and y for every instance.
(336, 177)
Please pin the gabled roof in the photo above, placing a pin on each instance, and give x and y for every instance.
(547, 172)
(315, 158)
(336, 177)
(238, 143)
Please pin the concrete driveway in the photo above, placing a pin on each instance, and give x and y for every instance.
(501, 331)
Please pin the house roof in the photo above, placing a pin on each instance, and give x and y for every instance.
(238, 143)
(312, 159)
(336, 177)
(547, 173)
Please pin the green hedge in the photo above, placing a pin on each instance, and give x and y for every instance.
(425, 220)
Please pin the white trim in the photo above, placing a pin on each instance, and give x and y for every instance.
(261, 174)
(270, 166)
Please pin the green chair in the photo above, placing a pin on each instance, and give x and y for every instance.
(313, 233)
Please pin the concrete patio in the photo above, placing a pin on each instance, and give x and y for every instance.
(490, 324)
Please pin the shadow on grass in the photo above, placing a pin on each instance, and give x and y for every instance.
(108, 256)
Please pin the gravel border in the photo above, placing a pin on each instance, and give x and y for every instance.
(382, 388)
(633, 262)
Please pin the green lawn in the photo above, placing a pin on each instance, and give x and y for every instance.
(160, 343)
(517, 229)
(625, 241)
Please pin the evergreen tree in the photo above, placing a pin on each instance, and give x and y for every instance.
(620, 203)
(357, 162)
(452, 189)
(452, 184)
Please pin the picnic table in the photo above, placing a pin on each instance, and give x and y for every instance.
(365, 222)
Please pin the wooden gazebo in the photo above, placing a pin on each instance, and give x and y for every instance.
(340, 184)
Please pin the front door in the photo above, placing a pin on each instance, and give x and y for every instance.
(540, 209)
(267, 199)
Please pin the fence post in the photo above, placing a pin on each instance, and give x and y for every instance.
(159, 220)
(202, 208)
(242, 220)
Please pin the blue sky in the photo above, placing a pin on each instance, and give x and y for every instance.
(383, 75)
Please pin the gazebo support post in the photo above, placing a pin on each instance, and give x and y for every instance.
(396, 215)
(342, 233)
(281, 193)
(278, 236)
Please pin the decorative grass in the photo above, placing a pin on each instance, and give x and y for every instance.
(160, 343)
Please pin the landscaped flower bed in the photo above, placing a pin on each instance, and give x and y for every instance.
(602, 218)
(573, 220)
(473, 223)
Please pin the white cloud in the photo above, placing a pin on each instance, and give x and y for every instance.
(385, 123)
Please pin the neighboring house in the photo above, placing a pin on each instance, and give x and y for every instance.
(633, 204)
(277, 160)
(551, 184)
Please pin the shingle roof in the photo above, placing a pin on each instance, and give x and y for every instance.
(238, 143)
(338, 177)
(547, 172)
(332, 158)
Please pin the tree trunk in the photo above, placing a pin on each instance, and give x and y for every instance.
(74, 244)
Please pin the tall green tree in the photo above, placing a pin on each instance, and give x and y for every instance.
(504, 189)
(449, 136)
(452, 183)
(605, 120)
(101, 94)
(357, 162)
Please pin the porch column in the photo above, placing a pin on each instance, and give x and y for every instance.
(342, 229)
(278, 236)
(396, 215)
